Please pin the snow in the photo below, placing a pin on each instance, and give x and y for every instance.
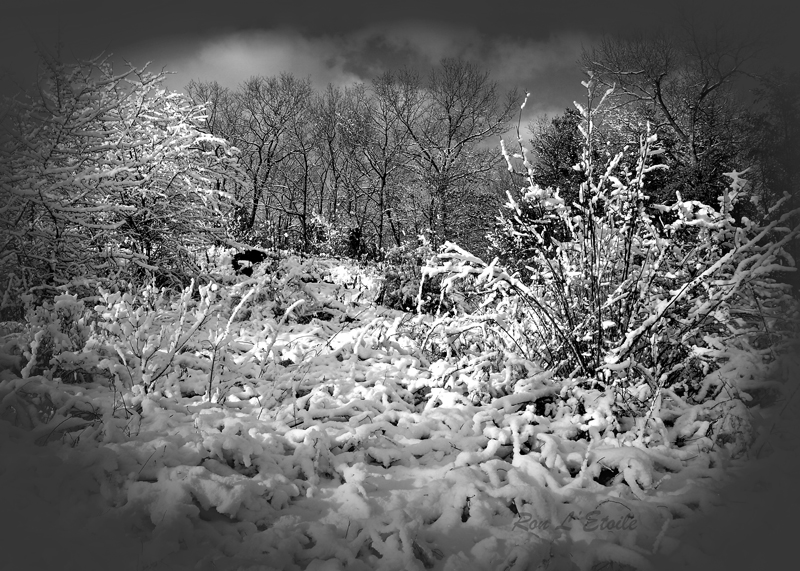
(341, 446)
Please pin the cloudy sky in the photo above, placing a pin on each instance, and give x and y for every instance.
(530, 45)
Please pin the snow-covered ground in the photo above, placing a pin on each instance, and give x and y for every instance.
(340, 445)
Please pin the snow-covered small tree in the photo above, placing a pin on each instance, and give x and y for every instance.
(106, 174)
(612, 293)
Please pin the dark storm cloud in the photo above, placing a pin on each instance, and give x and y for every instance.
(363, 53)
(546, 67)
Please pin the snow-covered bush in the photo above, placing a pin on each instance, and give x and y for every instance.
(402, 287)
(326, 238)
(56, 328)
(149, 339)
(106, 174)
(622, 299)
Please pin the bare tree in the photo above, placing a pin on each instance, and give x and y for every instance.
(266, 112)
(302, 182)
(328, 112)
(447, 120)
(379, 140)
(218, 103)
(683, 84)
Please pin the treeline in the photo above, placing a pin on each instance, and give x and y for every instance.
(366, 168)
(362, 169)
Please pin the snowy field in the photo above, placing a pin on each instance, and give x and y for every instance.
(308, 428)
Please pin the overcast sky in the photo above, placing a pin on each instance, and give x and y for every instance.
(531, 45)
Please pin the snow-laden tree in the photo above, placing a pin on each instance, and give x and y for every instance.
(604, 289)
(106, 174)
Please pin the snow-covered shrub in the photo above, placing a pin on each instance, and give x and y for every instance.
(57, 327)
(106, 174)
(139, 340)
(616, 297)
(149, 329)
(327, 239)
(402, 286)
